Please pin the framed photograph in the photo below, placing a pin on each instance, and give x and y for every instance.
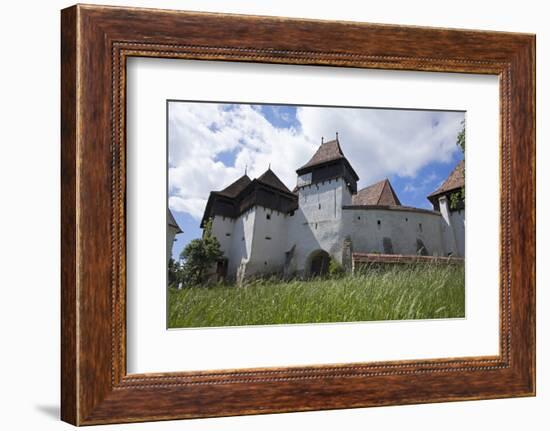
(264, 214)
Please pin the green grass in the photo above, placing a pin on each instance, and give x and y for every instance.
(396, 293)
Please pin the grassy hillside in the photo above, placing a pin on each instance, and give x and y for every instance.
(396, 293)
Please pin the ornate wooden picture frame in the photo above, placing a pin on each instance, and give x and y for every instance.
(96, 41)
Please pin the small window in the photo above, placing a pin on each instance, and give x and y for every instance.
(420, 227)
(406, 219)
(268, 238)
(268, 216)
(358, 217)
(227, 234)
(315, 225)
(243, 238)
(319, 206)
(265, 263)
(379, 223)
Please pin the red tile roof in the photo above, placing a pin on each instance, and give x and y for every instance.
(453, 182)
(380, 193)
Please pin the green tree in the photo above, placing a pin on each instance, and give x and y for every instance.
(174, 273)
(458, 197)
(198, 257)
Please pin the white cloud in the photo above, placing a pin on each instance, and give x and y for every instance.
(378, 143)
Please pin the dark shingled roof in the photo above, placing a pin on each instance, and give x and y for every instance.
(380, 193)
(327, 152)
(454, 181)
(233, 189)
(267, 191)
(269, 178)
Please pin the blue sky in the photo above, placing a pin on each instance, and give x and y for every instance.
(211, 144)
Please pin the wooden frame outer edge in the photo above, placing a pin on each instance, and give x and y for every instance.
(123, 50)
(100, 404)
(69, 208)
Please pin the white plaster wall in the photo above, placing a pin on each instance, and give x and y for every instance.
(459, 227)
(450, 240)
(241, 241)
(314, 227)
(304, 179)
(221, 226)
(330, 195)
(402, 227)
(320, 222)
(269, 242)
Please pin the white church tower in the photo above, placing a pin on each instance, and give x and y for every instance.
(325, 185)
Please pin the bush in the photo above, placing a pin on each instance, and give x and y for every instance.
(335, 269)
(199, 256)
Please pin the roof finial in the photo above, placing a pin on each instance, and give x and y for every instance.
(269, 167)
(245, 169)
(322, 139)
(336, 135)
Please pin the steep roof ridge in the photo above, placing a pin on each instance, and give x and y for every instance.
(387, 186)
(327, 151)
(237, 186)
(379, 193)
(271, 179)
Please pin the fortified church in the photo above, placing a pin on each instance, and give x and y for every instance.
(264, 228)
